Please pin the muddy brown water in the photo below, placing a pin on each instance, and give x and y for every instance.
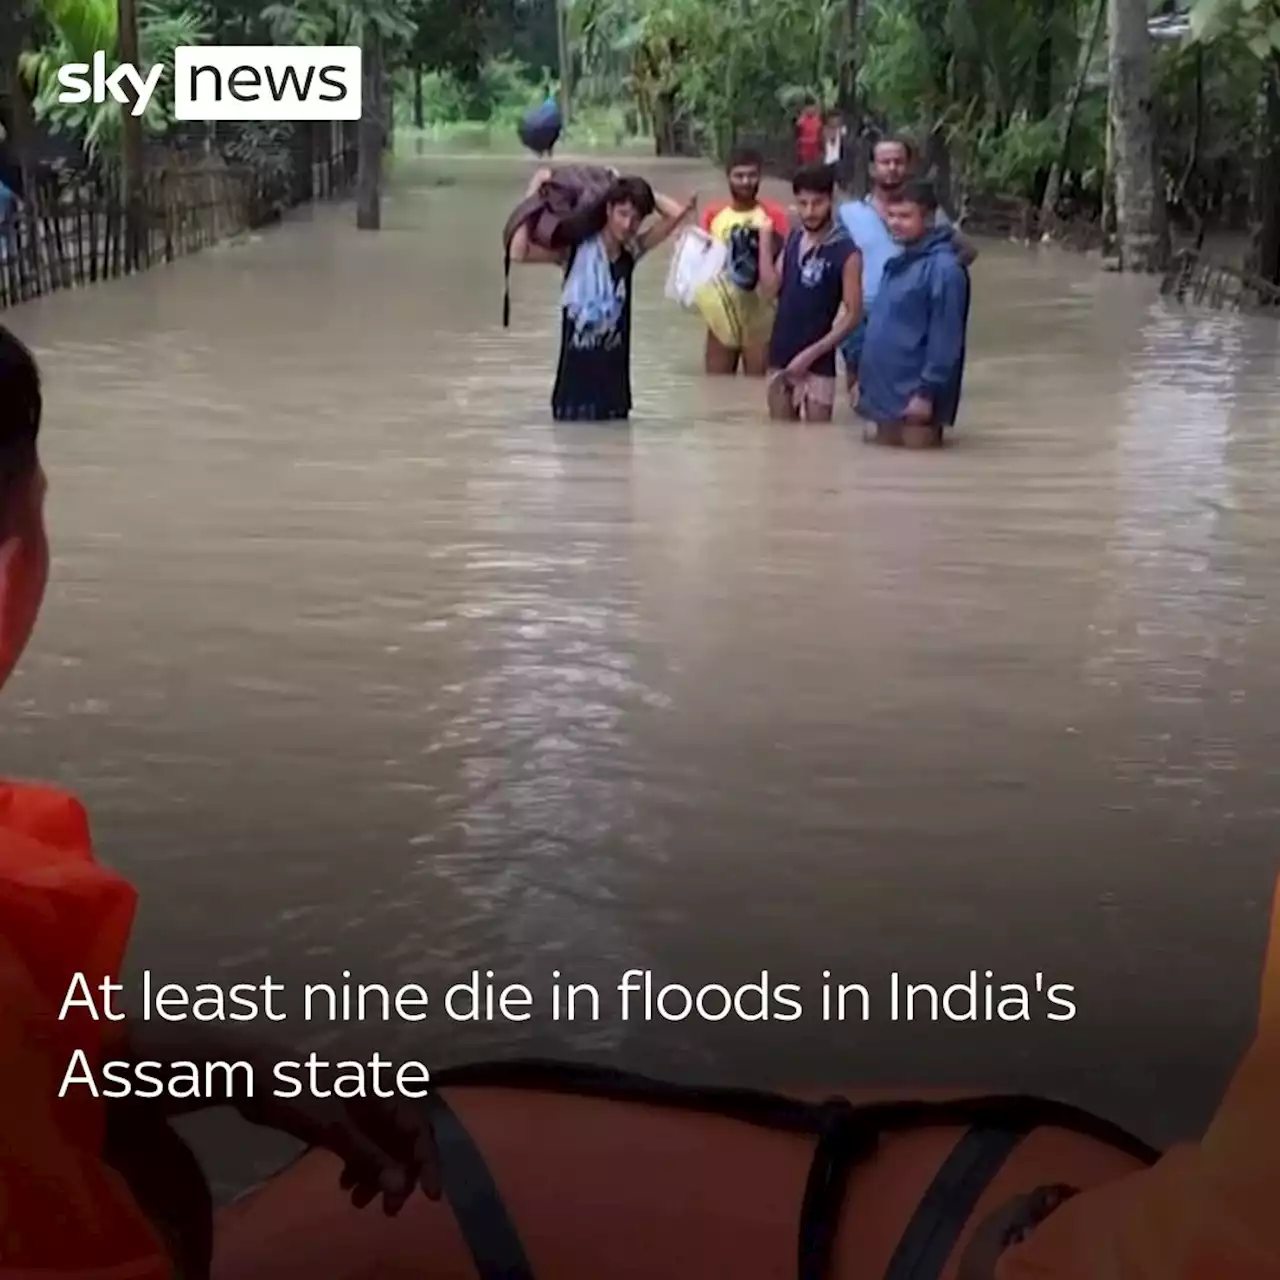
(361, 663)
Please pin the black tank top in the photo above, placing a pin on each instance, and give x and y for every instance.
(593, 379)
(812, 291)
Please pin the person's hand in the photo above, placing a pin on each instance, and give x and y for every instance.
(919, 410)
(386, 1147)
(799, 367)
(542, 175)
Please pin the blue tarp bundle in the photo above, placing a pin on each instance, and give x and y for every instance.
(540, 128)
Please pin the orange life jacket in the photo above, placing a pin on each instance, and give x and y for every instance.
(1206, 1211)
(63, 1210)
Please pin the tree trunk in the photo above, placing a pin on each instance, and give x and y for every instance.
(1109, 182)
(665, 142)
(937, 163)
(419, 118)
(1141, 226)
(1042, 88)
(1266, 188)
(14, 30)
(1049, 206)
(848, 101)
(564, 59)
(369, 144)
(24, 132)
(132, 160)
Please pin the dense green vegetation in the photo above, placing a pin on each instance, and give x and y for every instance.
(1108, 106)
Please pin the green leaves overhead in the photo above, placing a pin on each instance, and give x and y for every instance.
(76, 30)
(1256, 23)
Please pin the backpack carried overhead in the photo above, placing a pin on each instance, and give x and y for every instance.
(566, 210)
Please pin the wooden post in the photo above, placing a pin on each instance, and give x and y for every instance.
(369, 146)
(855, 166)
(132, 165)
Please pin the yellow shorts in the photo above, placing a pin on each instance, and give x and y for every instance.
(737, 319)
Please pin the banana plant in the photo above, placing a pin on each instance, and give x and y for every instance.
(79, 29)
(321, 22)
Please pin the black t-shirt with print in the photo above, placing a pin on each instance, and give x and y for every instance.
(593, 378)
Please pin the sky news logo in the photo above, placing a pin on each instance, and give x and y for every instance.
(239, 82)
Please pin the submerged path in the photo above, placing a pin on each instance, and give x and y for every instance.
(361, 662)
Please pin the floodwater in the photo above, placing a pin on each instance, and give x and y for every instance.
(362, 663)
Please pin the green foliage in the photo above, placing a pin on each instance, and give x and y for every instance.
(896, 69)
(485, 111)
(80, 28)
(736, 67)
(263, 146)
(499, 93)
(989, 77)
(319, 22)
(1255, 22)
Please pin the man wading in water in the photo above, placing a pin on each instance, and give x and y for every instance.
(593, 379)
(913, 348)
(818, 281)
(738, 316)
(892, 162)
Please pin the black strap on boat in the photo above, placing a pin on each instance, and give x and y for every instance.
(846, 1135)
(843, 1142)
(948, 1205)
(469, 1187)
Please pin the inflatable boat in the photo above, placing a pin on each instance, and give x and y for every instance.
(558, 1172)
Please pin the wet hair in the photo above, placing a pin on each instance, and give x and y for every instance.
(918, 191)
(633, 191)
(817, 179)
(894, 140)
(744, 158)
(21, 407)
(589, 219)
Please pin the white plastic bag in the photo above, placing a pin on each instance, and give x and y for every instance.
(698, 259)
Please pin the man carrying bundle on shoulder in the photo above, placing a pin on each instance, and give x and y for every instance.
(599, 257)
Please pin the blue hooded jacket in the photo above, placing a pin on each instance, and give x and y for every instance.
(915, 334)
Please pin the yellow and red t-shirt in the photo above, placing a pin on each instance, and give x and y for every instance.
(720, 219)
